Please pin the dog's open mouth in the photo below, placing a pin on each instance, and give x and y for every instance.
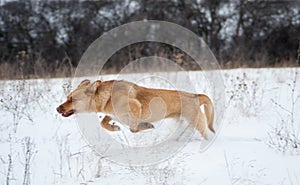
(69, 113)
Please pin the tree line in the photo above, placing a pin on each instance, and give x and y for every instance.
(47, 38)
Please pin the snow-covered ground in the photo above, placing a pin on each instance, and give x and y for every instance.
(258, 143)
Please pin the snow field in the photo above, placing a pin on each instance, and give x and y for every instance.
(257, 143)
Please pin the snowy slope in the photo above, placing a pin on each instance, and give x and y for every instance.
(257, 144)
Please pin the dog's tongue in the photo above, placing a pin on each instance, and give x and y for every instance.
(69, 113)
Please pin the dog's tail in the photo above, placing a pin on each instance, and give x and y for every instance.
(209, 110)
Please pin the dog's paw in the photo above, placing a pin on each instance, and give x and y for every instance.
(133, 130)
(116, 127)
(145, 125)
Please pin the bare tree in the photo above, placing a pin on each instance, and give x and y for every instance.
(51, 31)
(29, 150)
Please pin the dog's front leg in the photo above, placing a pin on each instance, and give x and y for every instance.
(105, 124)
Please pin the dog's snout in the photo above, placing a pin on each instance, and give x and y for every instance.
(59, 109)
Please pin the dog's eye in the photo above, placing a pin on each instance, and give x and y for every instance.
(72, 99)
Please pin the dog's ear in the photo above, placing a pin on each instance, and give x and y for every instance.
(93, 88)
(84, 83)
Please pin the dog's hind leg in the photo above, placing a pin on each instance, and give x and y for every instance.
(135, 117)
(201, 125)
(105, 124)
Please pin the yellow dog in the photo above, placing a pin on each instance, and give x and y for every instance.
(138, 106)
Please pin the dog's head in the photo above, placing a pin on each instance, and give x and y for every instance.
(82, 99)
